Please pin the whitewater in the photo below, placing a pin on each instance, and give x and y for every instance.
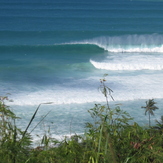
(57, 52)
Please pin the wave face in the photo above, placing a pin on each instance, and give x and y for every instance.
(64, 47)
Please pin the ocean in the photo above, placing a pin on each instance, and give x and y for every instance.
(57, 51)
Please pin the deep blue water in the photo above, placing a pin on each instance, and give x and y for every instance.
(57, 51)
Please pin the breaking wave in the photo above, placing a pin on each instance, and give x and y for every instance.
(128, 43)
(130, 62)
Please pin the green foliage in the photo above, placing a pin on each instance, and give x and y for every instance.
(149, 108)
(159, 124)
(105, 90)
(10, 148)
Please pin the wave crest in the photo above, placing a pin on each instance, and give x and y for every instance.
(129, 43)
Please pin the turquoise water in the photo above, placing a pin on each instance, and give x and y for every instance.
(58, 52)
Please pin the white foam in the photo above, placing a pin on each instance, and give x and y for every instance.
(141, 48)
(127, 87)
(134, 87)
(130, 61)
(57, 96)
